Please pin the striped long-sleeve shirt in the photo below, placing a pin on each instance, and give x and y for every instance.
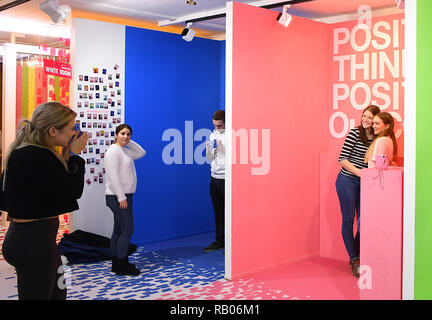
(354, 151)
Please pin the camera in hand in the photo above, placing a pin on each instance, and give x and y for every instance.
(78, 130)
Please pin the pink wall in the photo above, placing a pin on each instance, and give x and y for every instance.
(377, 77)
(381, 241)
(280, 82)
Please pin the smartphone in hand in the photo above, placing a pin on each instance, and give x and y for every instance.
(213, 144)
(78, 130)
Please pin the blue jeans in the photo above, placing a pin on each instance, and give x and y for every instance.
(348, 190)
(123, 226)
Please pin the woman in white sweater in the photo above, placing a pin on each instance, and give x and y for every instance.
(121, 181)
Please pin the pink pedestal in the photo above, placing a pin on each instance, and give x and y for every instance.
(381, 234)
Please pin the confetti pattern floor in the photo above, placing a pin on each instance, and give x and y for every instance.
(180, 270)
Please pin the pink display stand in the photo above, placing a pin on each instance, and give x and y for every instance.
(381, 234)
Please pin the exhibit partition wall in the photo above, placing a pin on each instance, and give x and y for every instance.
(167, 89)
(366, 67)
(277, 97)
(293, 94)
(98, 57)
(173, 87)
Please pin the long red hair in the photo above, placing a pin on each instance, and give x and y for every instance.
(362, 131)
(386, 118)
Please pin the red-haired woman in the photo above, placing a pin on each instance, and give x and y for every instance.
(385, 141)
(348, 181)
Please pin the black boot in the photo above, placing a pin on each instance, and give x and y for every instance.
(216, 245)
(114, 267)
(124, 268)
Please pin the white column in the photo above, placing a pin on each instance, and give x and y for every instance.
(410, 150)
(228, 126)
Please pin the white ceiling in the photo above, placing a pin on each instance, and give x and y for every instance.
(157, 10)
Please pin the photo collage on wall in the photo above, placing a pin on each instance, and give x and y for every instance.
(99, 107)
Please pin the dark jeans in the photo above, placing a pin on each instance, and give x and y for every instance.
(32, 249)
(348, 190)
(123, 225)
(217, 193)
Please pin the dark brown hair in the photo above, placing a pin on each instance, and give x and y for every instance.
(219, 115)
(122, 126)
(362, 131)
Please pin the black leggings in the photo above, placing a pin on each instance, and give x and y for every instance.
(32, 249)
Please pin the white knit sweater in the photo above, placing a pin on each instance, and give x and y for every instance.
(120, 169)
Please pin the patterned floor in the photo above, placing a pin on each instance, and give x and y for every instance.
(166, 273)
(180, 270)
(160, 277)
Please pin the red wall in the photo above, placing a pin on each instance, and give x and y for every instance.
(289, 83)
(279, 82)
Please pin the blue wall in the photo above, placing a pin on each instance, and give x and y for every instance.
(222, 74)
(168, 82)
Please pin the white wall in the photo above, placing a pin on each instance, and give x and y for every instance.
(410, 150)
(101, 45)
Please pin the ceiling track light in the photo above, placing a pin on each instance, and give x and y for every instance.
(221, 12)
(284, 18)
(57, 13)
(191, 2)
(187, 33)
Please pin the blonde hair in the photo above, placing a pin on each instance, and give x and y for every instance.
(35, 131)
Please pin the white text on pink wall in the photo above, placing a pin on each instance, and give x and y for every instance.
(368, 68)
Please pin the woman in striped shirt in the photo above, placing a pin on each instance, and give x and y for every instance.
(348, 181)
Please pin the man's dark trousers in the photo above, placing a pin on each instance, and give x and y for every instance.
(217, 193)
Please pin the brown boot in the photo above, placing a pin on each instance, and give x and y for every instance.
(351, 262)
(355, 266)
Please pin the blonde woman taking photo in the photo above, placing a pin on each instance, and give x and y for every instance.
(39, 184)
